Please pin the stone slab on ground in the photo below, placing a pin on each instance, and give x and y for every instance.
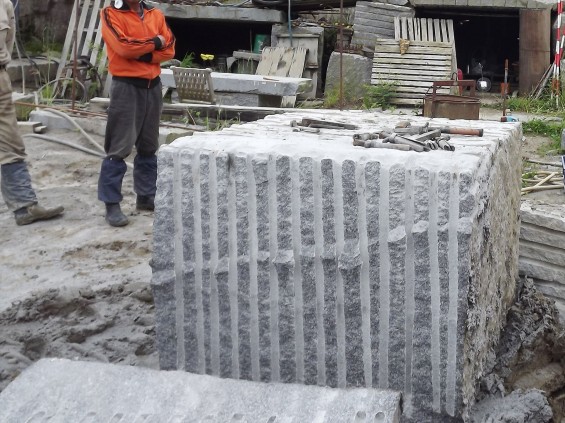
(356, 74)
(297, 257)
(542, 249)
(63, 391)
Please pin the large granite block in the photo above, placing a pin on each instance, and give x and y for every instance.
(318, 262)
(65, 391)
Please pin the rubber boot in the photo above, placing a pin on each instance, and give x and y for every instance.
(27, 215)
(145, 202)
(114, 215)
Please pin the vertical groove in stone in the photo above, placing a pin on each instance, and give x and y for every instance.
(240, 249)
(434, 293)
(285, 263)
(373, 216)
(350, 270)
(423, 393)
(226, 296)
(213, 266)
(273, 277)
(190, 318)
(319, 272)
(253, 270)
(444, 187)
(307, 254)
(179, 262)
(233, 271)
(397, 253)
(340, 300)
(365, 279)
(203, 350)
(384, 278)
(296, 219)
(329, 262)
(453, 257)
(263, 234)
(409, 260)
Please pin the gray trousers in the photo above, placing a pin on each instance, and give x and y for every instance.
(133, 121)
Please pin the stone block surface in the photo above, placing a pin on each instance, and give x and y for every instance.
(356, 74)
(63, 391)
(284, 256)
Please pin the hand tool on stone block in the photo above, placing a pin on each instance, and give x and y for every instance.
(429, 135)
(477, 132)
(327, 124)
(409, 129)
(444, 144)
(373, 143)
(399, 139)
(297, 128)
(365, 136)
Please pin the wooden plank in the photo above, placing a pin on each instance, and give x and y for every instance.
(407, 72)
(87, 46)
(424, 26)
(410, 29)
(417, 30)
(444, 35)
(437, 31)
(397, 28)
(68, 42)
(450, 31)
(425, 44)
(431, 30)
(283, 66)
(269, 62)
(298, 61)
(404, 28)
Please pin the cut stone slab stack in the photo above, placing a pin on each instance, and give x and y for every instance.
(64, 391)
(284, 256)
(542, 249)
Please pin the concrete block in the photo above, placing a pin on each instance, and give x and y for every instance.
(62, 391)
(296, 257)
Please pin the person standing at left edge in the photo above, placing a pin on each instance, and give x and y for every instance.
(137, 40)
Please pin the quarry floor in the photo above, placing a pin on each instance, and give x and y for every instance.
(76, 288)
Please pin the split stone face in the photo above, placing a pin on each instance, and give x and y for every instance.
(285, 256)
(542, 249)
(63, 391)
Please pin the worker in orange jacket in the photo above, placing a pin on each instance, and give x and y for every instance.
(137, 40)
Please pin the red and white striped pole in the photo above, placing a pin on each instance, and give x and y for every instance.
(559, 39)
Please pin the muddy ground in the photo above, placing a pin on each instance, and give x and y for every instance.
(76, 288)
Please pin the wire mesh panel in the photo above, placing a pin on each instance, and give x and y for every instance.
(194, 85)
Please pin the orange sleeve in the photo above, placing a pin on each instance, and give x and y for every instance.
(167, 52)
(114, 36)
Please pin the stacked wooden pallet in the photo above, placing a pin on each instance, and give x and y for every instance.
(413, 72)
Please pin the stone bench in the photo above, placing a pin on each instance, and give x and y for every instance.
(284, 256)
(249, 90)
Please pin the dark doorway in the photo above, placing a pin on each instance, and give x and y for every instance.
(484, 39)
(214, 37)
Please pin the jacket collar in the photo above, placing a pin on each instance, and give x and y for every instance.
(122, 5)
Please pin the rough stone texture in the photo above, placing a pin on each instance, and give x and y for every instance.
(542, 249)
(296, 257)
(376, 20)
(356, 72)
(518, 407)
(63, 391)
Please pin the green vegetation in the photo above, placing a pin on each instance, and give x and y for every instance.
(188, 61)
(379, 95)
(546, 128)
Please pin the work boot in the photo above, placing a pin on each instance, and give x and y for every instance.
(30, 214)
(114, 215)
(145, 202)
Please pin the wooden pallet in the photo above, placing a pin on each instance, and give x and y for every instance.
(414, 71)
